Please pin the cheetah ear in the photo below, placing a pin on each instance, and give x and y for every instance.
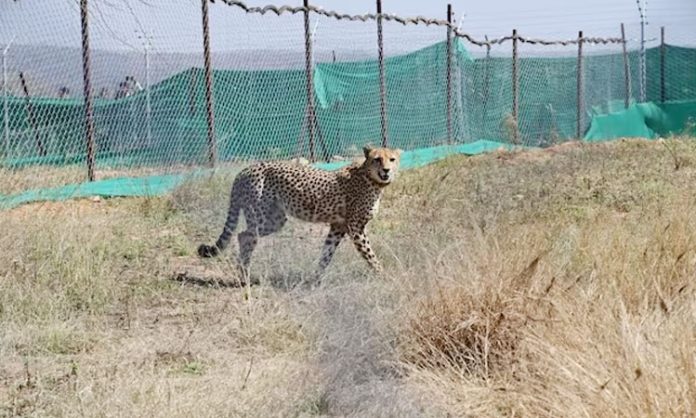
(366, 150)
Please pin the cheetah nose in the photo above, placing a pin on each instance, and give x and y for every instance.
(385, 170)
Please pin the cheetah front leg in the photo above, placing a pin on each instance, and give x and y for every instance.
(336, 234)
(362, 244)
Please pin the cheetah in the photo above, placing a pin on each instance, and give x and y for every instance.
(346, 200)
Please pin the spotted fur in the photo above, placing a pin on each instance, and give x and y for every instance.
(346, 200)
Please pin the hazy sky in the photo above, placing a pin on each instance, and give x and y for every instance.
(175, 24)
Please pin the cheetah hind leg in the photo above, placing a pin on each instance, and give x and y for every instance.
(249, 238)
(273, 219)
(247, 243)
(260, 223)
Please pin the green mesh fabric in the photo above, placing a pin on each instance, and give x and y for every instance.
(261, 114)
(161, 184)
(680, 73)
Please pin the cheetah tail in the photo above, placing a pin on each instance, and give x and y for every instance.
(224, 239)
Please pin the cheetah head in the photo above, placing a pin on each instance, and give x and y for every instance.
(382, 164)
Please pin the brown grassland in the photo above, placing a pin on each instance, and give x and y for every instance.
(550, 283)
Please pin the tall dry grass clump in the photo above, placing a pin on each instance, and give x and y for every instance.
(454, 328)
(471, 317)
(579, 304)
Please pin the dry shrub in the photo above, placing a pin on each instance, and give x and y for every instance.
(602, 325)
(471, 316)
(475, 333)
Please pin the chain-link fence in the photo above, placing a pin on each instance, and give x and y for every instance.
(289, 81)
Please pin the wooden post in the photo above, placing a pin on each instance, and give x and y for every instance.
(311, 121)
(627, 76)
(382, 87)
(31, 115)
(212, 144)
(87, 91)
(579, 98)
(449, 73)
(515, 80)
(663, 49)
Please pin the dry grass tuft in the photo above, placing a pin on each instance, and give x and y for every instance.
(474, 333)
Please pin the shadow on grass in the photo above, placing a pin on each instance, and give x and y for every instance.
(284, 281)
(291, 280)
(211, 282)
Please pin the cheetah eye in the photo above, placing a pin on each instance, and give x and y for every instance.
(392, 159)
(378, 160)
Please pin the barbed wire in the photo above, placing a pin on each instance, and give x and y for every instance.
(279, 10)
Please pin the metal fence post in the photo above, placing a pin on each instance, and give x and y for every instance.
(311, 122)
(87, 90)
(486, 83)
(627, 77)
(148, 99)
(212, 145)
(5, 107)
(31, 115)
(449, 73)
(642, 4)
(382, 87)
(579, 97)
(193, 89)
(663, 49)
(515, 89)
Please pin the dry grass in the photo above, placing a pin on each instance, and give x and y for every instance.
(33, 177)
(48, 176)
(544, 283)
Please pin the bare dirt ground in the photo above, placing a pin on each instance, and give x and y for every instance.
(554, 282)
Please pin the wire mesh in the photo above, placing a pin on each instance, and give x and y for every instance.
(40, 76)
(149, 88)
(147, 108)
(347, 87)
(260, 86)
